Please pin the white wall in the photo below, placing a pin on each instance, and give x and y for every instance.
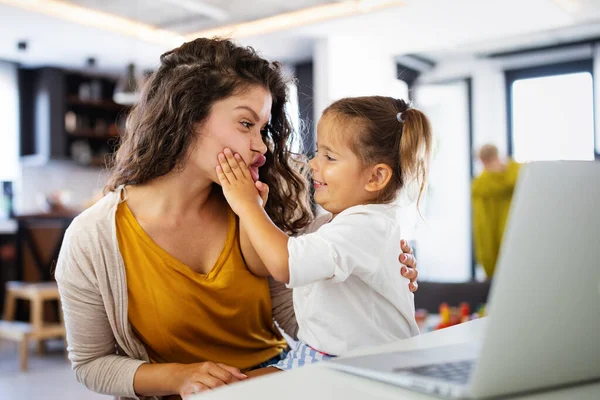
(351, 66)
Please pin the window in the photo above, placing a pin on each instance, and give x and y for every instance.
(446, 208)
(293, 112)
(551, 113)
(9, 123)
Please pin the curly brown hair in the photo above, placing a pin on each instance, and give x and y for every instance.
(180, 94)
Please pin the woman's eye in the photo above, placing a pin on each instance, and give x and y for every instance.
(247, 125)
(330, 159)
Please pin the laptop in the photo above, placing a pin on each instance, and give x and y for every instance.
(544, 305)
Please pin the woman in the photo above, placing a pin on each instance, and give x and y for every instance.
(153, 277)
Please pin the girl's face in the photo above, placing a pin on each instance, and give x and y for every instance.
(235, 122)
(338, 176)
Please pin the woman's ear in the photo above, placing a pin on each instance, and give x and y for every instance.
(380, 175)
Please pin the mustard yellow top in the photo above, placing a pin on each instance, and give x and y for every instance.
(184, 317)
(492, 195)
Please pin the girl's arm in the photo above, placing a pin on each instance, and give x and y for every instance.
(251, 257)
(269, 242)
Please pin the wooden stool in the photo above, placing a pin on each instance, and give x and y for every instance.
(22, 332)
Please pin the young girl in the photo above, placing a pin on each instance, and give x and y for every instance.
(347, 292)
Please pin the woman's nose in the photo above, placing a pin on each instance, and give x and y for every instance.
(258, 144)
(313, 164)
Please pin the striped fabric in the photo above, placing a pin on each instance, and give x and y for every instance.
(301, 355)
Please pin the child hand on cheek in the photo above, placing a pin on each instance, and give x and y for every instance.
(241, 192)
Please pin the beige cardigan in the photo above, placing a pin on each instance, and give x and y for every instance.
(104, 352)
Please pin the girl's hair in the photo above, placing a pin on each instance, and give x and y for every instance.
(180, 94)
(388, 131)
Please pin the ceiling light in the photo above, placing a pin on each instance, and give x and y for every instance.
(570, 6)
(149, 33)
(97, 19)
(199, 8)
(298, 18)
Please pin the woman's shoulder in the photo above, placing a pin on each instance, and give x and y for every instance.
(88, 239)
(94, 225)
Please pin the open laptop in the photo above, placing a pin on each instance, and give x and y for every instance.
(544, 305)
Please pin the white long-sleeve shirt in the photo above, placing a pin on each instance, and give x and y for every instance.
(348, 291)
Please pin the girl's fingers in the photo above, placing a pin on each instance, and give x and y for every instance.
(243, 167)
(226, 168)
(233, 164)
(221, 175)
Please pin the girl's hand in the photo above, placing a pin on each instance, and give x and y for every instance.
(238, 187)
(409, 265)
(199, 377)
(263, 190)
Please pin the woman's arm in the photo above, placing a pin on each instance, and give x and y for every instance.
(91, 343)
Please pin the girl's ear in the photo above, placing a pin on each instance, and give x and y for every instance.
(380, 175)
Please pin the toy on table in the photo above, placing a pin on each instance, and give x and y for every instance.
(465, 312)
(450, 316)
(445, 316)
(421, 318)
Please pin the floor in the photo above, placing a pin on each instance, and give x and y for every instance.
(49, 377)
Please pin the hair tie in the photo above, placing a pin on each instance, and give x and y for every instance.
(399, 117)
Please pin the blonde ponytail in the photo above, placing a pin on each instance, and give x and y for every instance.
(415, 148)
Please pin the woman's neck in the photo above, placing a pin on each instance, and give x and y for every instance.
(175, 195)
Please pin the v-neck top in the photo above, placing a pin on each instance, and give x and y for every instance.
(183, 316)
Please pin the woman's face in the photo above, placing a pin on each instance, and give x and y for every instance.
(236, 123)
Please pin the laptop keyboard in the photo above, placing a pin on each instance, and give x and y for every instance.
(456, 372)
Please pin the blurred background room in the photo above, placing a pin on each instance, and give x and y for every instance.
(503, 82)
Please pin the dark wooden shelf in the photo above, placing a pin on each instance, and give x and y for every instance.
(99, 104)
(89, 135)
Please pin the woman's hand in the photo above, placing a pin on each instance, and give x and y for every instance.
(196, 378)
(239, 189)
(409, 265)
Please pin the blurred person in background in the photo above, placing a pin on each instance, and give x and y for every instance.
(491, 197)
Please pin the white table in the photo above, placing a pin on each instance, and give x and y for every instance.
(317, 382)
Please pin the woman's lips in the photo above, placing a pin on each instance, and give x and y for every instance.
(318, 184)
(258, 162)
